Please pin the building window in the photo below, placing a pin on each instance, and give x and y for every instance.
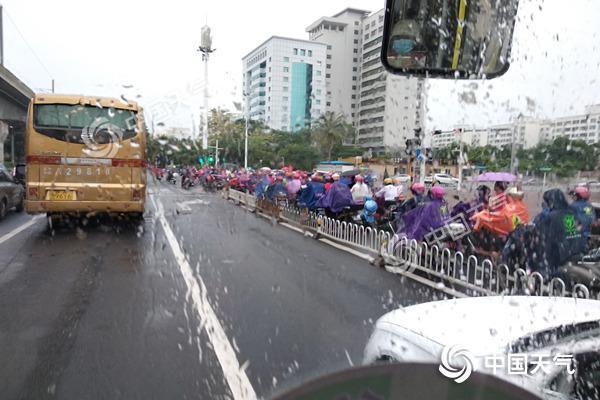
(318, 72)
(284, 108)
(310, 53)
(353, 78)
(318, 91)
(286, 79)
(353, 114)
(373, 32)
(381, 18)
(356, 23)
(353, 106)
(380, 29)
(328, 66)
(355, 59)
(302, 52)
(355, 32)
(286, 69)
(353, 97)
(341, 28)
(354, 69)
(355, 41)
(355, 51)
(327, 75)
(328, 47)
(285, 99)
(353, 87)
(285, 88)
(329, 56)
(286, 59)
(295, 52)
(328, 104)
(318, 101)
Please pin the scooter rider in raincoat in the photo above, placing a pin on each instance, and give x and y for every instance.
(584, 210)
(360, 190)
(556, 236)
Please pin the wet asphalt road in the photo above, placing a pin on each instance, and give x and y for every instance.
(104, 311)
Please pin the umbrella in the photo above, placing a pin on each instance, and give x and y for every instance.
(352, 172)
(496, 177)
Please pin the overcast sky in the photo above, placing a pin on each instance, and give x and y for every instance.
(147, 50)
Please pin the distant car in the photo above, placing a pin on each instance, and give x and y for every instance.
(445, 179)
(499, 326)
(402, 177)
(19, 173)
(12, 194)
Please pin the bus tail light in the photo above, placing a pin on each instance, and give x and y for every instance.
(32, 193)
(137, 194)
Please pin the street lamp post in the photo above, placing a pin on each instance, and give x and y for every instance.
(513, 149)
(247, 115)
(206, 50)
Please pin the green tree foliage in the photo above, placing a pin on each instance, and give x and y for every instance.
(563, 156)
(266, 147)
(330, 130)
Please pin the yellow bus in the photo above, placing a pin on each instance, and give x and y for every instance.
(85, 155)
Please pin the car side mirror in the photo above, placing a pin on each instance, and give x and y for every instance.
(459, 39)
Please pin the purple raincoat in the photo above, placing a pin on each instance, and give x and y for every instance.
(338, 197)
(424, 219)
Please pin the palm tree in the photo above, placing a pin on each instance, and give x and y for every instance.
(330, 130)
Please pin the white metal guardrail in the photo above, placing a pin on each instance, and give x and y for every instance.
(441, 265)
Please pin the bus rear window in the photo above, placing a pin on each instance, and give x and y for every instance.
(66, 122)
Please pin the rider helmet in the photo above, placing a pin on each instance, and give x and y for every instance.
(370, 206)
(437, 192)
(418, 188)
(582, 192)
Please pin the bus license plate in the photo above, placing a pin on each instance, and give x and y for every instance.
(62, 195)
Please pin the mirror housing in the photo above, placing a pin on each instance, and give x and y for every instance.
(457, 39)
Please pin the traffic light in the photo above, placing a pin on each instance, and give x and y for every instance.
(211, 159)
(201, 160)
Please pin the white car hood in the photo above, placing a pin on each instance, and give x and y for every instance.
(487, 324)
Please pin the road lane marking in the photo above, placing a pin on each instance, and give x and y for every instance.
(236, 377)
(20, 229)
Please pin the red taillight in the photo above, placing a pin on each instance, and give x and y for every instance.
(52, 160)
(137, 194)
(126, 163)
(32, 193)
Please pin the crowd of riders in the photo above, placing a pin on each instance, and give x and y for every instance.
(496, 221)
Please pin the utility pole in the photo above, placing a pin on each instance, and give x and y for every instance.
(217, 154)
(460, 160)
(247, 116)
(1, 36)
(206, 50)
(513, 149)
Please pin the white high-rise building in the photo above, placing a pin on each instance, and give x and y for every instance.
(386, 109)
(584, 127)
(284, 83)
(391, 107)
(342, 33)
